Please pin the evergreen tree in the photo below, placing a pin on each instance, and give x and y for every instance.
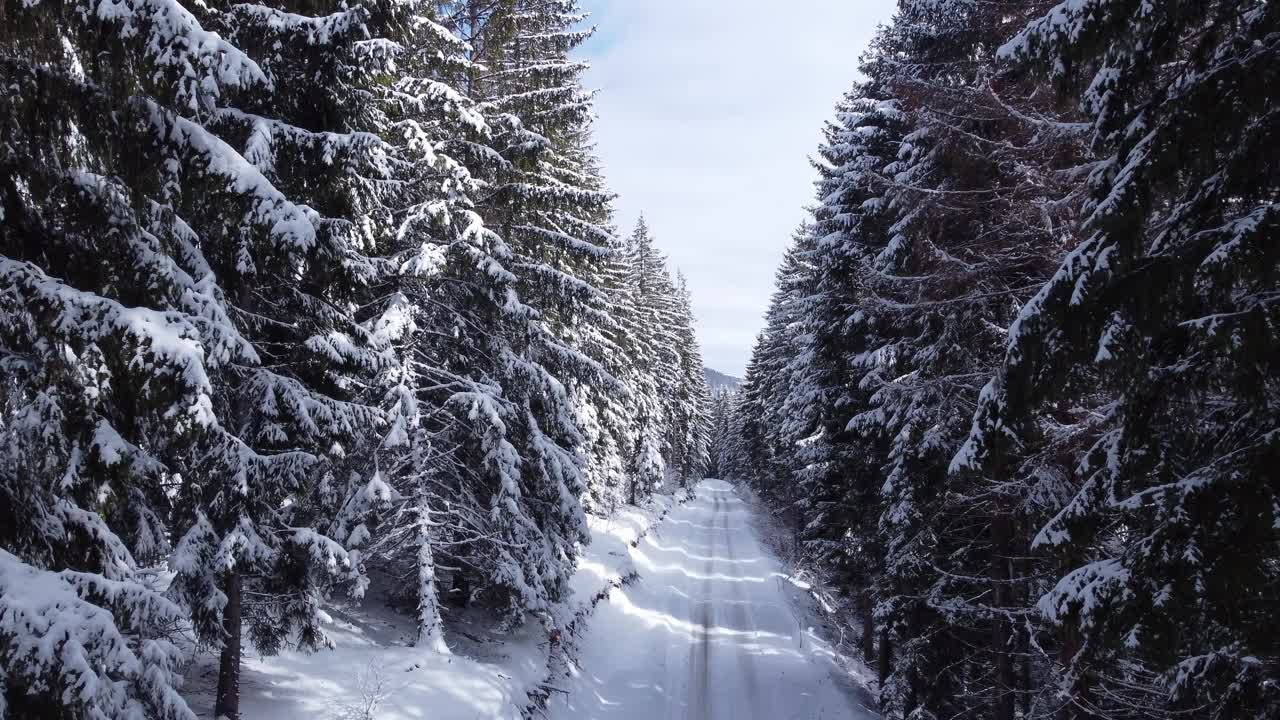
(1169, 539)
(651, 352)
(720, 433)
(747, 451)
(438, 282)
(253, 549)
(288, 290)
(504, 313)
(692, 432)
(1067, 555)
(607, 408)
(206, 394)
(918, 250)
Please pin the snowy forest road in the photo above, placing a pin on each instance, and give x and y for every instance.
(712, 630)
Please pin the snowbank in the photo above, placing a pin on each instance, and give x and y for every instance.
(714, 628)
(813, 598)
(374, 671)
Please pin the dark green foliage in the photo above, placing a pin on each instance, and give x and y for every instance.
(1039, 333)
(334, 287)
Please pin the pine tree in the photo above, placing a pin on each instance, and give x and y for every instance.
(780, 338)
(322, 288)
(650, 350)
(919, 254)
(609, 408)
(178, 388)
(967, 245)
(501, 321)
(405, 503)
(1073, 543)
(1169, 540)
(720, 425)
(693, 429)
(255, 512)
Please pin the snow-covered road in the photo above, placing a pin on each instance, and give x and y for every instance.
(712, 630)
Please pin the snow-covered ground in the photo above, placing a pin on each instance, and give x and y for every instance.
(488, 677)
(712, 629)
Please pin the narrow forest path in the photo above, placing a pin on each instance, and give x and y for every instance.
(712, 630)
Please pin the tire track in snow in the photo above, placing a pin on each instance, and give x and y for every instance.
(700, 650)
(663, 649)
(678, 603)
(743, 620)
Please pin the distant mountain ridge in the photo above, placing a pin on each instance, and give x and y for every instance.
(718, 381)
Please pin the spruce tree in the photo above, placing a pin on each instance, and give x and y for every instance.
(405, 501)
(1169, 539)
(693, 428)
(720, 423)
(292, 290)
(1071, 546)
(201, 398)
(609, 410)
(254, 551)
(650, 350)
(498, 313)
(925, 233)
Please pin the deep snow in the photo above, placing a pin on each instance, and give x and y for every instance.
(488, 676)
(712, 629)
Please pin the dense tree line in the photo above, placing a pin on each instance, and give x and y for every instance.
(1018, 389)
(291, 293)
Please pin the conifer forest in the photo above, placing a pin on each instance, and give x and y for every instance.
(333, 385)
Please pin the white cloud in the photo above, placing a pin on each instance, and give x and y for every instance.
(709, 110)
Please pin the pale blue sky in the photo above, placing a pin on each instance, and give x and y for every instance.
(709, 111)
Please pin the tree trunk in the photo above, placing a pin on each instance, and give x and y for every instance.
(1066, 651)
(1021, 599)
(1080, 692)
(912, 700)
(228, 701)
(868, 629)
(430, 624)
(885, 661)
(797, 537)
(1026, 675)
(1003, 701)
